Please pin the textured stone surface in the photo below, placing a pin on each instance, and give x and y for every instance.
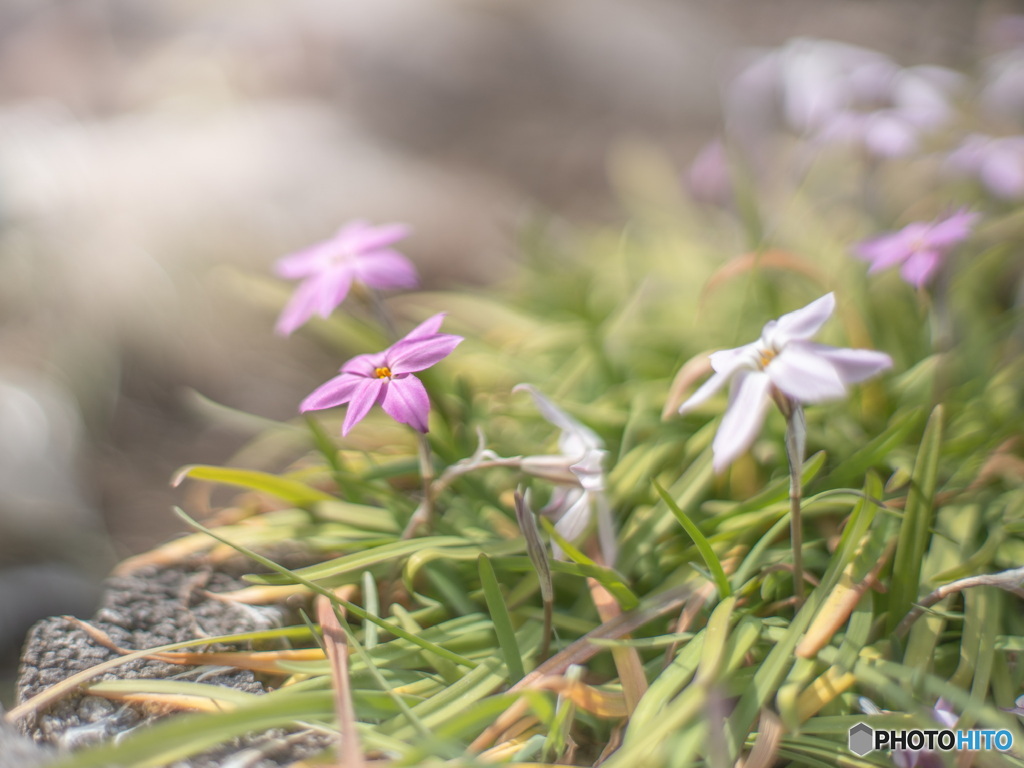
(146, 608)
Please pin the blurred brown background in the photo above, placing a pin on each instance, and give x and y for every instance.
(143, 145)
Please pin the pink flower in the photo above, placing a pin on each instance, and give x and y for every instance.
(918, 248)
(386, 379)
(996, 162)
(358, 252)
(785, 362)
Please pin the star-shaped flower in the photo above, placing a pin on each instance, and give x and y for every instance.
(578, 474)
(918, 248)
(359, 252)
(782, 363)
(386, 379)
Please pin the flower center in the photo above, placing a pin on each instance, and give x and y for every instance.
(383, 372)
(766, 356)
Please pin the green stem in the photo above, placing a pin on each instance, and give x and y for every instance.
(796, 440)
(424, 514)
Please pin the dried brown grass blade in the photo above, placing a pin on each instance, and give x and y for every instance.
(783, 261)
(261, 595)
(840, 603)
(165, 703)
(350, 752)
(579, 652)
(627, 660)
(693, 370)
(257, 661)
(766, 745)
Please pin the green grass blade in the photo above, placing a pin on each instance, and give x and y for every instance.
(187, 735)
(502, 621)
(291, 491)
(706, 552)
(915, 530)
(359, 561)
(352, 608)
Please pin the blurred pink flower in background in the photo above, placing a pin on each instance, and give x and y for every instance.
(385, 379)
(708, 178)
(359, 252)
(919, 248)
(783, 360)
(836, 93)
(996, 162)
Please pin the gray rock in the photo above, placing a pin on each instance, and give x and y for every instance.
(143, 609)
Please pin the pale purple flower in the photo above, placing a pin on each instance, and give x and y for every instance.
(359, 252)
(708, 179)
(1002, 95)
(996, 162)
(919, 248)
(386, 379)
(783, 362)
(835, 93)
(579, 477)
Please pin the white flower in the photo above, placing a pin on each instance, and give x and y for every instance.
(578, 472)
(782, 362)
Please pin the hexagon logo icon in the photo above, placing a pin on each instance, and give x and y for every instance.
(861, 739)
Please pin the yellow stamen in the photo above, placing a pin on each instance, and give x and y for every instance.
(383, 373)
(767, 355)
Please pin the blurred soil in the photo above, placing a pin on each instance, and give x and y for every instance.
(152, 153)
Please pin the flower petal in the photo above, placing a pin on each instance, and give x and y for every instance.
(410, 355)
(385, 270)
(364, 395)
(884, 251)
(309, 261)
(953, 230)
(335, 392)
(300, 307)
(577, 438)
(332, 287)
(405, 400)
(726, 363)
(1002, 171)
(428, 327)
(803, 323)
(919, 268)
(361, 237)
(852, 365)
(805, 376)
(743, 420)
(572, 523)
(704, 392)
(365, 365)
(589, 471)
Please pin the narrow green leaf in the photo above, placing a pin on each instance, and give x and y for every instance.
(371, 601)
(175, 688)
(583, 566)
(291, 491)
(502, 621)
(915, 530)
(358, 561)
(293, 577)
(187, 735)
(706, 552)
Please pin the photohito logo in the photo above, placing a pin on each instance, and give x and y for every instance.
(863, 739)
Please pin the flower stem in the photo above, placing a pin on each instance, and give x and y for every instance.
(796, 439)
(424, 514)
